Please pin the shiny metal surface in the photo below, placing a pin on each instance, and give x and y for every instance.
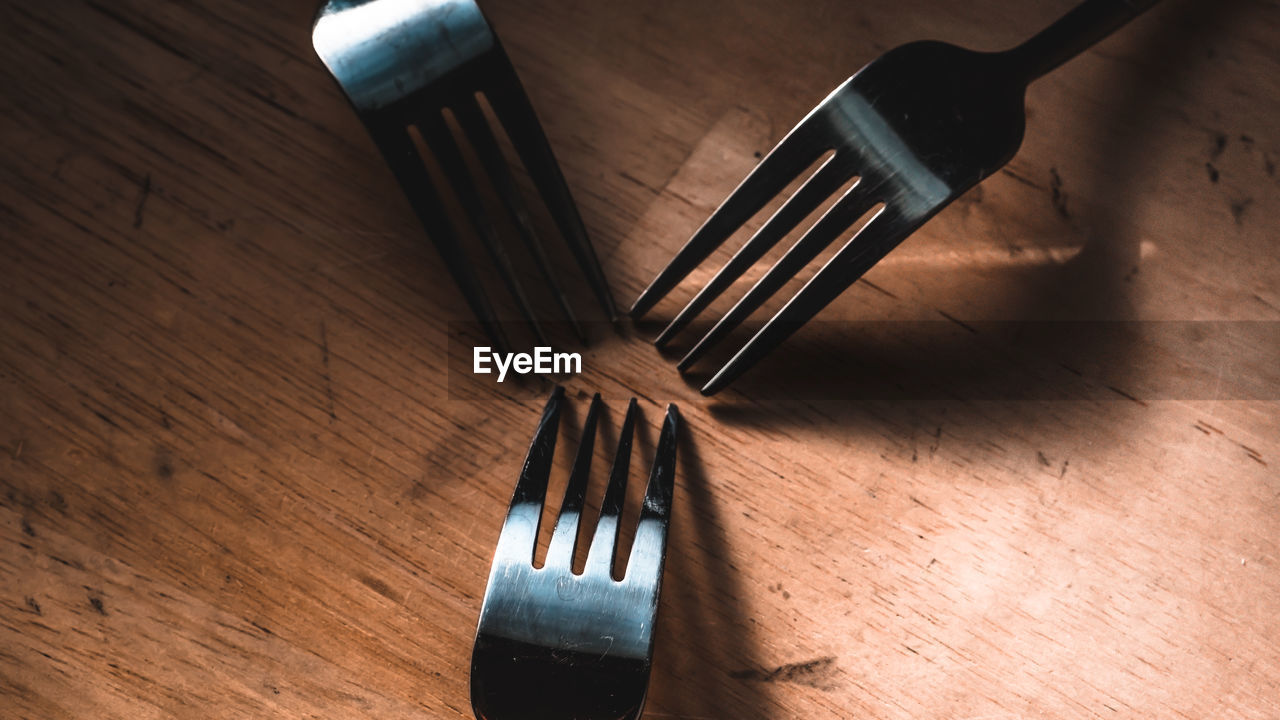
(554, 644)
(917, 127)
(405, 63)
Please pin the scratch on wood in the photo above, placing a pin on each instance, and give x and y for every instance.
(380, 587)
(958, 322)
(1122, 393)
(1071, 370)
(917, 501)
(1019, 178)
(1206, 428)
(877, 288)
(328, 379)
(1057, 195)
(69, 563)
(142, 200)
(817, 673)
(1254, 455)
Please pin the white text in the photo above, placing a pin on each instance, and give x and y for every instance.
(542, 362)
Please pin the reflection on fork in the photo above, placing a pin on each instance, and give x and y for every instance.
(413, 63)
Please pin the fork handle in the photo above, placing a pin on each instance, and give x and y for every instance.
(1072, 34)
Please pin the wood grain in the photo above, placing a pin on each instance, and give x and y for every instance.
(243, 474)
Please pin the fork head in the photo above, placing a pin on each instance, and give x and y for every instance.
(555, 644)
(917, 127)
(411, 63)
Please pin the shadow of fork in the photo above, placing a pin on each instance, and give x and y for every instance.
(704, 635)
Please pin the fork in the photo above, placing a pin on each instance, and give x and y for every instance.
(559, 645)
(917, 127)
(406, 63)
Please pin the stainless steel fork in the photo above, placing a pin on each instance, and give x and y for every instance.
(917, 127)
(406, 63)
(558, 645)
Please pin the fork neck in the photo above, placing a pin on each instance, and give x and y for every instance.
(1072, 34)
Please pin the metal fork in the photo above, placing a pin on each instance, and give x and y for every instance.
(405, 63)
(554, 644)
(917, 127)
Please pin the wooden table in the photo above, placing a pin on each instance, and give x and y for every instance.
(238, 478)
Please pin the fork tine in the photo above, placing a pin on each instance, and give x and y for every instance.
(857, 201)
(825, 181)
(784, 162)
(564, 541)
(445, 148)
(604, 544)
(513, 110)
(650, 545)
(481, 137)
(411, 174)
(881, 234)
(519, 535)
